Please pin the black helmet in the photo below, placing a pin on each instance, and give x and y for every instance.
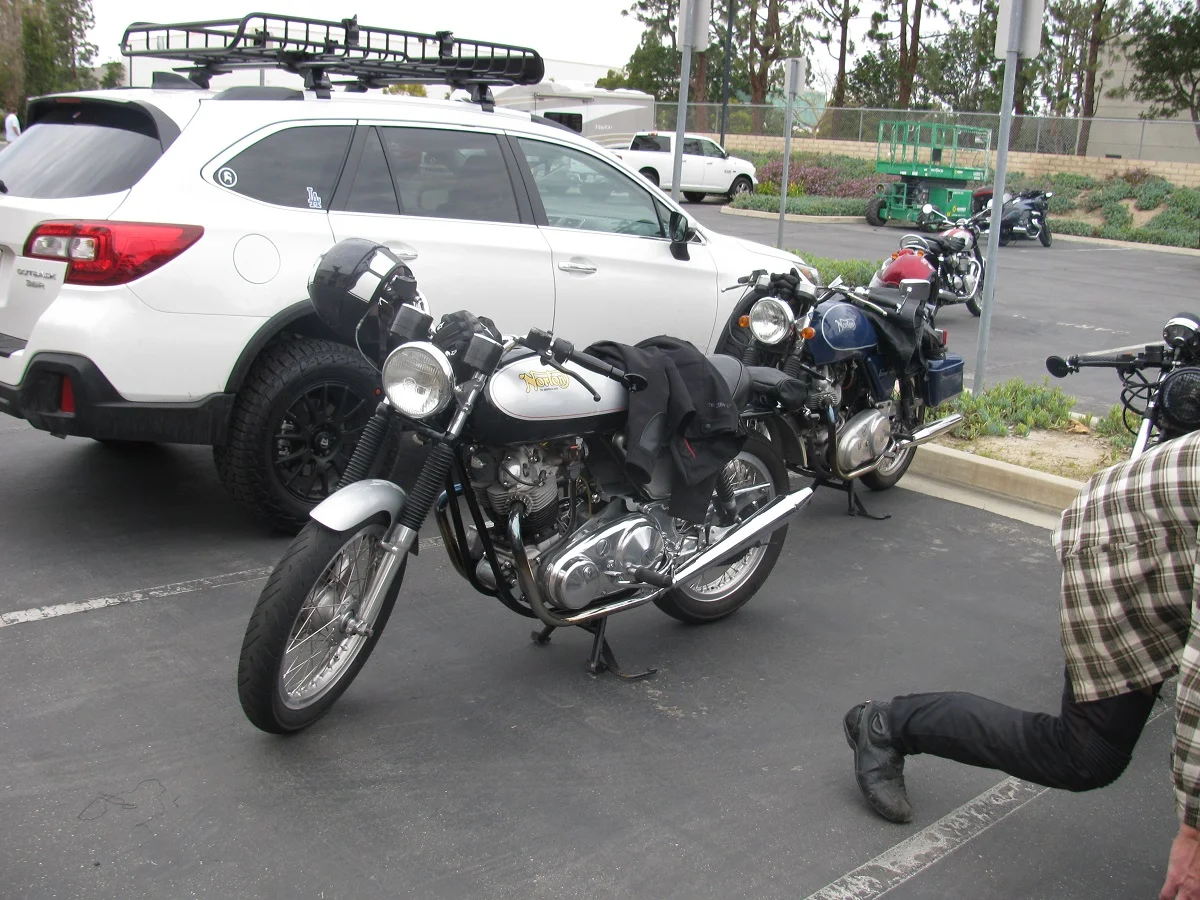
(353, 279)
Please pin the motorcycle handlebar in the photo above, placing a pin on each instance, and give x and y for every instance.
(559, 350)
(1061, 368)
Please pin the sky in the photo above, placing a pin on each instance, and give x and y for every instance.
(591, 32)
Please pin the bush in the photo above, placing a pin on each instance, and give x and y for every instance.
(854, 272)
(1113, 190)
(1117, 215)
(1185, 200)
(1073, 226)
(822, 176)
(1062, 203)
(1113, 427)
(1070, 181)
(1152, 193)
(1138, 177)
(804, 206)
(1015, 403)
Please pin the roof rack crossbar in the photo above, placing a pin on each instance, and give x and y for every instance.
(316, 49)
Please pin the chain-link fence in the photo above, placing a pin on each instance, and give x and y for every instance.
(1167, 140)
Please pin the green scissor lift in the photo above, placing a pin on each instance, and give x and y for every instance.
(937, 163)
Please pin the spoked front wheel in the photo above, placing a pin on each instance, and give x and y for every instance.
(305, 641)
(759, 475)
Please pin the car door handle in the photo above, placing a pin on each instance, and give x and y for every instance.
(581, 268)
(403, 251)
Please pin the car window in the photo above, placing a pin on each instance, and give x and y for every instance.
(81, 150)
(580, 191)
(657, 143)
(373, 190)
(711, 149)
(692, 146)
(449, 174)
(293, 167)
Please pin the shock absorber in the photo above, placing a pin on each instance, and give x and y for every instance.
(726, 505)
(367, 450)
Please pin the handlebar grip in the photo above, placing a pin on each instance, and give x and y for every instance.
(596, 365)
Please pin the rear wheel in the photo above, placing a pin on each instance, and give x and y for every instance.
(303, 645)
(1044, 235)
(874, 206)
(759, 476)
(650, 175)
(694, 196)
(892, 469)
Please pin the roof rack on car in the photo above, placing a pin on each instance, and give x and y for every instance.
(315, 49)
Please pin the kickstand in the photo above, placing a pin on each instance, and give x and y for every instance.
(602, 658)
(541, 638)
(854, 504)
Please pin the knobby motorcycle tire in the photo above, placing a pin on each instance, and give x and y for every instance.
(677, 604)
(271, 625)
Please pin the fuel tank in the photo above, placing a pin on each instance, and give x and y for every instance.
(527, 402)
(842, 331)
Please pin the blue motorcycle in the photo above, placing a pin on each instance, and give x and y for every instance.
(866, 367)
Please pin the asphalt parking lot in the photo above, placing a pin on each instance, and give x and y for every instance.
(1069, 298)
(466, 762)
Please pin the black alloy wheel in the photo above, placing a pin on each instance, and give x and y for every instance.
(316, 436)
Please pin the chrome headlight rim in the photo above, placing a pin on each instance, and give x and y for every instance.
(1180, 331)
(763, 330)
(444, 375)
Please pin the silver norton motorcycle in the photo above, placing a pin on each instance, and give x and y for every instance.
(524, 472)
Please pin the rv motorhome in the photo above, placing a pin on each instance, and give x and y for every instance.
(605, 116)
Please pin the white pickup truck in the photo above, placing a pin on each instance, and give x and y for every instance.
(707, 169)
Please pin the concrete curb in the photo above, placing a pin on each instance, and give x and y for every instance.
(791, 217)
(1126, 245)
(860, 220)
(1041, 490)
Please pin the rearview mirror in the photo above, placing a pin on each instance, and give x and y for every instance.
(680, 231)
(927, 208)
(989, 204)
(835, 283)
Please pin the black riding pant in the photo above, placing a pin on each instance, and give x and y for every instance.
(1086, 746)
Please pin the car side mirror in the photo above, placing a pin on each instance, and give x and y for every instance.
(680, 231)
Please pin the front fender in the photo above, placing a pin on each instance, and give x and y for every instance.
(358, 502)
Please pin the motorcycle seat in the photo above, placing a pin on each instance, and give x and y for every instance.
(735, 375)
(789, 392)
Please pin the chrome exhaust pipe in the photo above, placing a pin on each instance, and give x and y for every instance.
(930, 431)
(767, 520)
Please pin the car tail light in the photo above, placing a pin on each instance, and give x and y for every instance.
(109, 253)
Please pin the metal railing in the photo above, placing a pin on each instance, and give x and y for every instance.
(1168, 140)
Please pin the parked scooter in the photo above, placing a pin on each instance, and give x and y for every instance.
(1026, 215)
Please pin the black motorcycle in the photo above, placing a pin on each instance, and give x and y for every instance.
(1026, 215)
(863, 368)
(530, 475)
(1165, 405)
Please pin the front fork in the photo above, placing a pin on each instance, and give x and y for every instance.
(402, 533)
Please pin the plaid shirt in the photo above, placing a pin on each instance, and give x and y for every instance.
(1128, 551)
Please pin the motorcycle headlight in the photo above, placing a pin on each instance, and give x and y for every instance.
(771, 320)
(1180, 330)
(1180, 398)
(418, 379)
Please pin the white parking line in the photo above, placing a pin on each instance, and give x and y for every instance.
(165, 590)
(909, 858)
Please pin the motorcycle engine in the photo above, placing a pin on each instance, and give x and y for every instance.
(528, 474)
(596, 560)
(826, 390)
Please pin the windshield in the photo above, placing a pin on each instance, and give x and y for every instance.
(80, 150)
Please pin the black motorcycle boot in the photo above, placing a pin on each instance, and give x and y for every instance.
(878, 766)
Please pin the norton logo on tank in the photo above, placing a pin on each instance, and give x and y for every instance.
(548, 380)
